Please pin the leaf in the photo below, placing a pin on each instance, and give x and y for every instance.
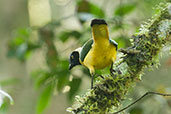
(66, 34)
(87, 10)
(63, 74)
(136, 110)
(97, 11)
(9, 81)
(123, 41)
(4, 107)
(40, 77)
(75, 84)
(21, 46)
(62, 81)
(44, 99)
(124, 9)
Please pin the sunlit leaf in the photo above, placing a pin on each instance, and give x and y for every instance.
(124, 9)
(44, 99)
(4, 107)
(75, 84)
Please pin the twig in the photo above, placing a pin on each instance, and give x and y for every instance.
(147, 93)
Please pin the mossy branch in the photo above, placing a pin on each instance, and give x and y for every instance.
(108, 93)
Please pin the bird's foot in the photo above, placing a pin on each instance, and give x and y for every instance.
(112, 71)
(100, 76)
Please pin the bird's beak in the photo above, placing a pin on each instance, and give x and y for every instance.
(70, 66)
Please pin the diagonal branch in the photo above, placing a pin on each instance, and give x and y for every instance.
(106, 96)
(147, 93)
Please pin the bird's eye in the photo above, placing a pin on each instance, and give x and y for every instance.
(72, 57)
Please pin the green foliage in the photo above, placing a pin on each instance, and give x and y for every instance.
(44, 99)
(75, 84)
(87, 10)
(67, 34)
(20, 47)
(5, 106)
(136, 110)
(9, 81)
(123, 42)
(124, 9)
(40, 77)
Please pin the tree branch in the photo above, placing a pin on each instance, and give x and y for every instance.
(147, 93)
(108, 93)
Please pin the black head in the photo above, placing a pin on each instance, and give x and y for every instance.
(74, 59)
(98, 22)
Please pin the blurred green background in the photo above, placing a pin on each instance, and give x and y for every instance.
(37, 36)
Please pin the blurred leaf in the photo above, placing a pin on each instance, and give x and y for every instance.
(4, 108)
(63, 74)
(40, 77)
(86, 9)
(86, 71)
(62, 81)
(66, 34)
(64, 64)
(99, 72)
(9, 81)
(20, 47)
(21, 51)
(136, 110)
(97, 11)
(123, 41)
(124, 9)
(75, 84)
(44, 99)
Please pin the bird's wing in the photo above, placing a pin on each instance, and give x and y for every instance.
(114, 43)
(85, 49)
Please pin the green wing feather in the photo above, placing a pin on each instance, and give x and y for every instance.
(114, 43)
(85, 49)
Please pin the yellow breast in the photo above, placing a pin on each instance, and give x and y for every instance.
(101, 55)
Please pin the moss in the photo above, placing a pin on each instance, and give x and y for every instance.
(147, 43)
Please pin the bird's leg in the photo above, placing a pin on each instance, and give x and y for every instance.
(92, 72)
(111, 69)
(92, 79)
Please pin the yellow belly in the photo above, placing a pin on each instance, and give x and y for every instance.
(100, 57)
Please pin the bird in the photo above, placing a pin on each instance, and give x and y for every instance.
(98, 52)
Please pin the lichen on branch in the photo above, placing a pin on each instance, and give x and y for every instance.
(108, 93)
